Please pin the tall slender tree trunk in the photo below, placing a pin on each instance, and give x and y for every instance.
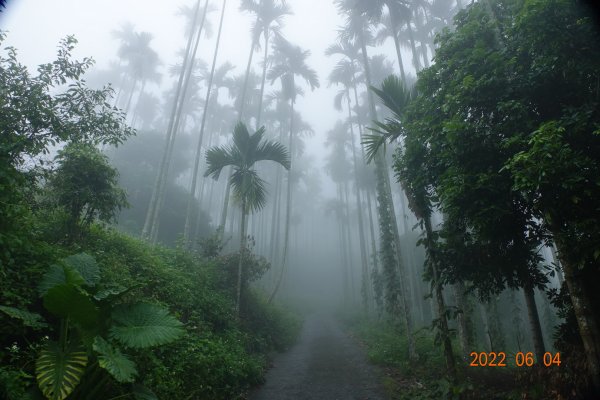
(439, 296)
(161, 176)
(368, 195)
(534, 323)
(464, 334)
(361, 230)
(247, 75)
(192, 194)
(264, 78)
(394, 21)
(387, 213)
(346, 203)
(413, 47)
(288, 206)
(586, 314)
(241, 260)
(131, 93)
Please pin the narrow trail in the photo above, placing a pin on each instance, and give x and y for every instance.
(325, 364)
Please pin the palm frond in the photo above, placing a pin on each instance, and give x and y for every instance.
(273, 151)
(254, 144)
(249, 189)
(394, 95)
(241, 138)
(372, 144)
(338, 99)
(218, 158)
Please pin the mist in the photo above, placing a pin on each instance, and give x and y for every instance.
(364, 185)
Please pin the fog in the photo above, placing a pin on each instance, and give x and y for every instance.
(395, 163)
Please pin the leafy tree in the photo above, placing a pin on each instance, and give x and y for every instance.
(248, 188)
(396, 98)
(85, 185)
(37, 110)
(499, 123)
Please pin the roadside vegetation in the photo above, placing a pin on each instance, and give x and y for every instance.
(88, 312)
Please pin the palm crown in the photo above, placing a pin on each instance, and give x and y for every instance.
(246, 150)
(289, 62)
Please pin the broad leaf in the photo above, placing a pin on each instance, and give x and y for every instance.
(141, 392)
(113, 293)
(59, 275)
(144, 325)
(86, 266)
(58, 370)
(69, 301)
(29, 319)
(116, 363)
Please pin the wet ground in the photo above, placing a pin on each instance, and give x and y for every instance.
(325, 364)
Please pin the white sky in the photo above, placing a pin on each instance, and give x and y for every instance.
(36, 26)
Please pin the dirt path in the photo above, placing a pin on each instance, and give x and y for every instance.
(325, 364)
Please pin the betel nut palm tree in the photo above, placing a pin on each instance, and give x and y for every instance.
(249, 190)
(289, 62)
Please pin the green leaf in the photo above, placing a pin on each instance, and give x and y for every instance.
(59, 275)
(69, 301)
(29, 319)
(141, 392)
(86, 266)
(58, 370)
(116, 363)
(144, 325)
(112, 293)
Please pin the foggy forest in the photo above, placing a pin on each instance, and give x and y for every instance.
(299, 199)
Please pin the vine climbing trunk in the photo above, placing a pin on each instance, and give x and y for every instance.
(390, 237)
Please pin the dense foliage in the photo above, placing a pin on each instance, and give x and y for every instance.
(87, 312)
(502, 139)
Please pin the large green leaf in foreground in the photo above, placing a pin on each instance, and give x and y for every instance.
(115, 362)
(58, 370)
(69, 301)
(144, 325)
